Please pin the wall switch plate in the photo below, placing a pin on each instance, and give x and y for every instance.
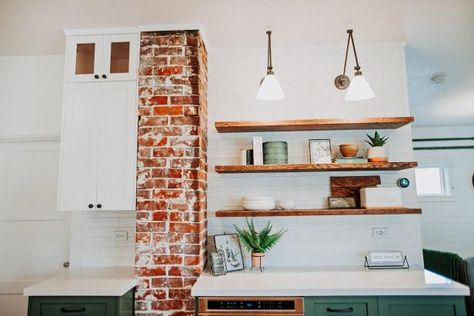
(121, 235)
(380, 232)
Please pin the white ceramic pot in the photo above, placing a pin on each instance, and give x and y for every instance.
(377, 154)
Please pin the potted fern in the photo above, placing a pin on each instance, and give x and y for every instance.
(377, 151)
(258, 242)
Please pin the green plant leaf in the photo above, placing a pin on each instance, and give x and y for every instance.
(258, 241)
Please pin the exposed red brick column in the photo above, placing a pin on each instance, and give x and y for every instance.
(172, 171)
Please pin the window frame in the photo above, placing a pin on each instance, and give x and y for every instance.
(446, 182)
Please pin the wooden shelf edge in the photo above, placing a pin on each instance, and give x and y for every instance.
(313, 124)
(319, 212)
(316, 167)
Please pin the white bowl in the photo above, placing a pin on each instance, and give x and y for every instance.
(257, 198)
(286, 204)
(259, 205)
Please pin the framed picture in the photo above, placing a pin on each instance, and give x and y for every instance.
(320, 151)
(217, 263)
(229, 245)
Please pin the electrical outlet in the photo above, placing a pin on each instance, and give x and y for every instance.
(121, 235)
(380, 232)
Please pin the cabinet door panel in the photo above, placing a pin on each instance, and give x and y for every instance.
(78, 162)
(117, 146)
(422, 306)
(83, 58)
(353, 306)
(120, 57)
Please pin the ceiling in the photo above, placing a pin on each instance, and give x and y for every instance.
(439, 34)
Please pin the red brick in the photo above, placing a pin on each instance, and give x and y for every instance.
(168, 152)
(167, 305)
(167, 282)
(156, 271)
(167, 259)
(168, 110)
(179, 293)
(184, 228)
(159, 216)
(168, 71)
(171, 201)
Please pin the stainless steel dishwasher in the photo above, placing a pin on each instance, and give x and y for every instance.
(263, 306)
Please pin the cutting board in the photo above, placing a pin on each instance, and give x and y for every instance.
(350, 186)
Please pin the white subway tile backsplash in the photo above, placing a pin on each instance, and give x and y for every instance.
(306, 75)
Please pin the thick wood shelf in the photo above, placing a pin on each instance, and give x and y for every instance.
(320, 212)
(313, 124)
(316, 167)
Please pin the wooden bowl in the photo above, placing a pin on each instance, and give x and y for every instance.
(349, 150)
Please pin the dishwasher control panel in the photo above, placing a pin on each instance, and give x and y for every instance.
(264, 305)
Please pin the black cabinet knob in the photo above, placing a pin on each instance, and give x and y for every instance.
(91, 205)
(96, 76)
(104, 76)
(99, 205)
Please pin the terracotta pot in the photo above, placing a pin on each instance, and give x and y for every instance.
(349, 150)
(377, 154)
(257, 261)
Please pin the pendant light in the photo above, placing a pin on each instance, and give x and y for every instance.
(270, 89)
(358, 88)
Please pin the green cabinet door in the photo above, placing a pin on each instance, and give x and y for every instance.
(343, 306)
(82, 305)
(422, 306)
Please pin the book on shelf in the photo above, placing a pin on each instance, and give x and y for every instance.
(351, 160)
(257, 142)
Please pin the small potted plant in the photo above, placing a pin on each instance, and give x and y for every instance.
(377, 151)
(258, 242)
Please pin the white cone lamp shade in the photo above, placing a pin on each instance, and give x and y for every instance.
(359, 89)
(270, 89)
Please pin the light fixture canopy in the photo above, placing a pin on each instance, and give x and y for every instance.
(358, 89)
(270, 89)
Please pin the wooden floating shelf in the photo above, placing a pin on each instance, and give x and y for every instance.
(320, 212)
(326, 167)
(313, 124)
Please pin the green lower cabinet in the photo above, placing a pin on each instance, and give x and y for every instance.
(350, 306)
(422, 306)
(385, 306)
(82, 305)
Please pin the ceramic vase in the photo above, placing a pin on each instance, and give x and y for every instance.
(377, 154)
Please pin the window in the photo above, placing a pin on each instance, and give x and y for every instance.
(432, 181)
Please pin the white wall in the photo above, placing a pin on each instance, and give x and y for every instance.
(35, 238)
(448, 223)
(306, 75)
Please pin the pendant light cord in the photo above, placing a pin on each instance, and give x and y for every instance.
(350, 40)
(269, 54)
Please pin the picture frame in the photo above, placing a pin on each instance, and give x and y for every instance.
(320, 151)
(217, 263)
(341, 202)
(229, 245)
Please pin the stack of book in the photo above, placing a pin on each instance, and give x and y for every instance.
(351, 160)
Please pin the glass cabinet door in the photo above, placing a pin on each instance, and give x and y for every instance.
(120, 56)
(84, 58)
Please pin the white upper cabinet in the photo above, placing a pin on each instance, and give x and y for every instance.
(78, 163)
(99, 129)
(101, 57)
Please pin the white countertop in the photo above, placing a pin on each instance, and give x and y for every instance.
(106, 281)
(309, 281)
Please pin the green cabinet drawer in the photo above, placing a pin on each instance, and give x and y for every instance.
(82, 305)
(344, 306)
(422, 306)
(58, 309)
